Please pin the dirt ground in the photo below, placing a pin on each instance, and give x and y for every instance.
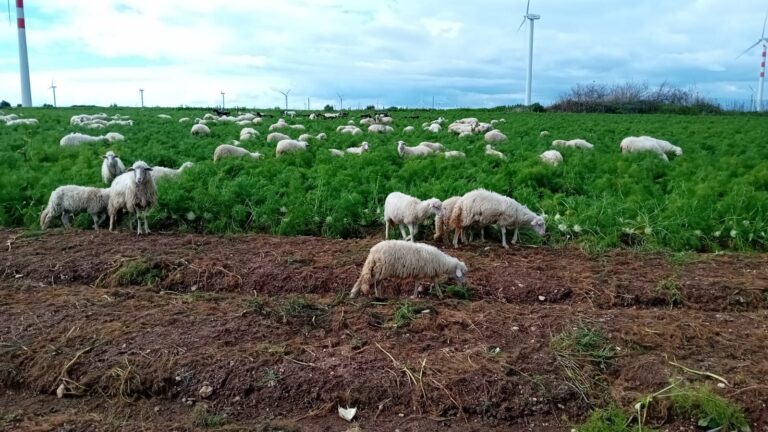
(191, 332)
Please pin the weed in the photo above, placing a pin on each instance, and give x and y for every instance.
(299, 308)
(670, 289)
(460, 292)
(254, 305)
(711, 411)
(269, 378)
(10, 418)
(404, 315)
(609, 420)
(141, 271)
(583, 353)
(204, 418)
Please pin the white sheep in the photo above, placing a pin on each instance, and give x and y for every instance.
(244, 122)
(551, 157)
(298, 127)
(419, 150)
(209, 116)
(409, 129)
(494, 136)
(228, 150)
(358, 150)
(380, 128)
(406, 260)
(575, 143)
(490, 151)
(161, 172)
(666, 146)
(305, 137)
(120, 123)
(436, 147)
(164, 116)
(290, 114)
(350, 130)
(248, 133)
(543, 134)
(76, 138)
(337, 152)
(454, 154)
(114, 136)
(645, 143)
(183, 119)
(111, 167)
(434, 128)
(401, 210)
(465, 134)
(484, 207)
(200, 129)
(321, 136)
(257, 120)
(26, 121)
(69, 200)
(277, 137)
(442, 220)
(287, 146)
(281, 124)
(133, 191)
(367, 121)
(494, 122)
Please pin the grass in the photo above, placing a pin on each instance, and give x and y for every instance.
(202, 417)
(301, 309)
(141, 271)
(710, 410)
(461, 292)
(609, 420)
(269, 378)
(670, 289)
(583, 354)
(408, 312)
(714, 197)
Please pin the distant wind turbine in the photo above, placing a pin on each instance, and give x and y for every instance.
(53, 87)
(222, 99)
(26, 93)
(341, 101)
(529, 76)
(763, 40)
(285, 94)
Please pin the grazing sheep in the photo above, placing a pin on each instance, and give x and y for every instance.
(160, 172)
(209, 116)
(490, 151)
(419, 150)
(321, 136)
(367, 121)
(289, 145)
(76, 138)
(248, 133)
(133, 191)
(281, 124)
(358, 150)
(383, 119)
(277, 137)
(28, 122)
(495, 136)
(69, 200)
(227, 150)
(200, 129)
(543, 133)
(336, 152)
(349, 129)
(313, 116)
(298, 127)
(111, 167)
(95, 126)
(380, 128)
(442, 220)
(551, 157)
(465, 134)
(645, 143)
(484, 207)
(305, 137)
(120, 123)
(409, 129)
(257, 120)
(114, 136)
(494, 122)
(164, 116)
(406, 260)
(183, 119)
(575, 143)
(290, 114)
(434, 128)
(454, 154)
(401, 210)
(436, 147)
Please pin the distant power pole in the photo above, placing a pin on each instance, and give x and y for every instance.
(222, 99)
(142, 97)
(53, 87)
(308, 104)
(433, 102)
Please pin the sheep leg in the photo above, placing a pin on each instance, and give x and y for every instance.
(504, 237)
(413, 228)
(146, 226)
(402, 231)
(459, 232)
(111, 222)
(482, 234)
(95, 222)
(416, 291)
(514, 238)
(386, 229)
(376, 289)
(437, 288)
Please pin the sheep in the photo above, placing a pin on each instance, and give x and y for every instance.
(485, 207)
(401, 259)
(70, 199)
(380, 128)
(290, 114)
(248, 133)
(183, 119)
(257, 120)
(409, 129)
(436, 147)
(460, 128)
(111, 167)
(490, 151)
(382, 119)
(209, 116)
(120, 123)
(576, 143)
(133, 191)
(313, 116)
(454, 154)
(367, 121)
(114, 136)
(228, 150)
(76, 138)
(434, 127)
(281, 124)
(465, 134)
(419, 150)
(542, 134)
(494, 136)
(9, 117)
(401, 209)
(28, 122)
(336, 152)
(298, 127)
(666, 146)
(349, 129)
(289, 145)
(551, 157)
(160, 172)
(321, 136)
(164, 116)
(200, 129)
(94, 126)
(645, 143)
(305, 137)
(277, 137)
(358, 150)
(442, 220)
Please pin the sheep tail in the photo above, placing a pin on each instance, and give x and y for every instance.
(455, 221)
(364, 281)
(48, 214)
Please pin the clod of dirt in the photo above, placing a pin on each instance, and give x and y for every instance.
(205, 391)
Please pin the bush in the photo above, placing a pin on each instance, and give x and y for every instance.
(328, 107)
(5, 104)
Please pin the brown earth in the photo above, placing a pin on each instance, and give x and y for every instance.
(130, 331)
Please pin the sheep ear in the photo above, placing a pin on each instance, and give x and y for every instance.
(148, 169)
(130, 169)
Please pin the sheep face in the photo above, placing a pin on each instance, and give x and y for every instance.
(140, 173)
(435, 206)
(539, 225)
(460, 272)
(111, 159)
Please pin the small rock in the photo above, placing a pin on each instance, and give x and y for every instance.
(157, 409)
(60, 391)
(205, 391)
(236, 399)
(542, 298)
(515, 328)
(347, 413)
(721, 385)
(401, 415)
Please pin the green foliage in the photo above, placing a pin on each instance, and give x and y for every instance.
(404, 315)
(714, 197)
(461, 292)
(609, 420)
(710, 410)
(670, 289)
(202, 417)
(140, 271)
(583, 354)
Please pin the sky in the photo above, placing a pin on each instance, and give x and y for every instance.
(383, 52)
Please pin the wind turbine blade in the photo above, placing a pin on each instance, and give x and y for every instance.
(522, 23)
(9, 13)
(764, 21)
(528, 7)
(748, 49)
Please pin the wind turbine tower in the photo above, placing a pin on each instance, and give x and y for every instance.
(764, 41)
(53, 87)
(529, 76)
(26, 93)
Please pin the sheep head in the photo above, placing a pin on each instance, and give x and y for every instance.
(140, 172)
(364, 146)
(538, 225)
(460, 272)
(435, 206)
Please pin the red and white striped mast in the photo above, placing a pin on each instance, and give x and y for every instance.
(762, 78)
(26, 93)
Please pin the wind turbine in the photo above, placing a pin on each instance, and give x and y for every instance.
(26, 93)
(763, 40)
(529, 76)
(341, 101)
(53, 87)
(222, 99)
(285, 94)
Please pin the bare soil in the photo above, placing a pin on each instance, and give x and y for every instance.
(191, 332)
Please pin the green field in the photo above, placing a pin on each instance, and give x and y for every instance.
(714, 197)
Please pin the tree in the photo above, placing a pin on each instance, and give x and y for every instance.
(328, 107)
(5, 104)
